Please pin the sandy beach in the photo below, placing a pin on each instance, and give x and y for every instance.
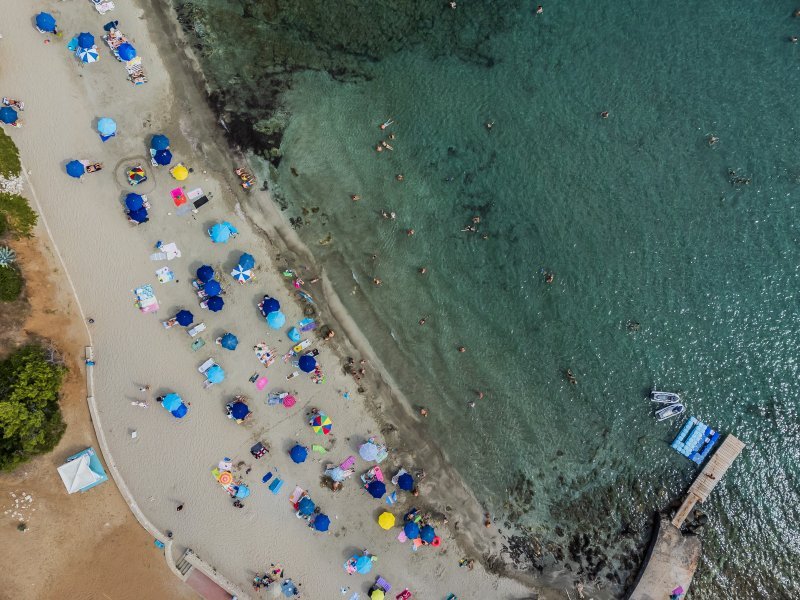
(169, 463)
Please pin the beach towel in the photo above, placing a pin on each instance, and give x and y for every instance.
(402, 537)
(383, 584)
(165, 275)
(178, 197)
(197, 344)
(266, 477)
(194, 194)
(402, 471)
(276, 485)
(391, 498)
(318, 448)
(296, 494)
(404, 595)
(348, 463)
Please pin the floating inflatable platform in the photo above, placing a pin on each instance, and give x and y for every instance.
(695, 440)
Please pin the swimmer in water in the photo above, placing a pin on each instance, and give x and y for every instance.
(386, 123)
(409, 232)
(376, 281)
(604, 114)
(355, 197)
(489, 124)
(549, 278)
(476, 220)
(422, 270)
(399, 177)
(462, 349)
(422, 321)
(379, 148)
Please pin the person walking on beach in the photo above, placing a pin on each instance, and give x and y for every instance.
(179, 508)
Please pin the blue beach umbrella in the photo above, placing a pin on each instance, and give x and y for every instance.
(184, 318)
(159, 142)
(239, 410)
(426, 534)
(126, 52)
(8, 115)
(163, 157)
(212, 288)
(171, 402)
(405, 482)
(376, 489)
(45, 22)
(411, 530)
(246, 261)
(106, 127)
(364, 564)
(75, 168)
(180, 412)
(139, 215)
(215, 304)
(270, 305)
(221, 232)
(229, 341)
(276, 319)
(215, 374)
(322, 522)
(88, 55)
(241, 274)
(307, 363)
(306, 506)
(134, 201)
(205, 273)
(298, 453)
(85, 40)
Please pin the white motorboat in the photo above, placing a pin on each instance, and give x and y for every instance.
(670, 411)
(664, 397)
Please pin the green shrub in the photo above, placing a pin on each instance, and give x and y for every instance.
(9, 157)
(18, 214)
(11, 282)
(30, 418)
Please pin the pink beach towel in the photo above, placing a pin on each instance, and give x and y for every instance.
(348, 463)
(402, 538)
(178, 197)
(295, 497)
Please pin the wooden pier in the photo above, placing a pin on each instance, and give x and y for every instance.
(709, 477)
(672, 559)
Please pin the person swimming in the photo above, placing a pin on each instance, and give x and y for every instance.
(386, 123)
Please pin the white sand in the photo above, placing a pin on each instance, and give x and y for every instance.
(170, 461)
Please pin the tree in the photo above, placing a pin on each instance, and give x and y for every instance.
(30, 418)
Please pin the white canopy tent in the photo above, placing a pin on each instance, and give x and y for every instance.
(77, 474)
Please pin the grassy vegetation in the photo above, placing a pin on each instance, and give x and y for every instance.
(30, 418)
(9, 157)
(17, 215)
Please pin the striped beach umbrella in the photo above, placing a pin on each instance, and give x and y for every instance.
(88, 55)
(241, 274)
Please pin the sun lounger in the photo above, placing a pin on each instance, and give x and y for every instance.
(276, 486)
(206, 365)
(200, 327)
(383, 584)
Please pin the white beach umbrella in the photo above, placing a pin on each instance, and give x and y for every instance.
(88, 55)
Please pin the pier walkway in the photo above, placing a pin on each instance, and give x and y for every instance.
(709, 477)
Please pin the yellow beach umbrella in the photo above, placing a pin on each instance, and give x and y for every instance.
(386, 520)
(377, 595)
(180, 172)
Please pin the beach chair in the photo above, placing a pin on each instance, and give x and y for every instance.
(206, 366)
(276, 485)
(200, 327)
(383, 584)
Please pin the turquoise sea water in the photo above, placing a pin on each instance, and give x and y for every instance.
(637, 218)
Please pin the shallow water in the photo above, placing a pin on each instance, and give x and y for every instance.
(638, 220)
